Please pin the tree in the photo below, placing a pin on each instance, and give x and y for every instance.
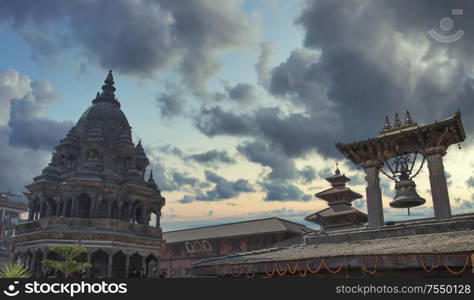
(14, 270)
(68, 264)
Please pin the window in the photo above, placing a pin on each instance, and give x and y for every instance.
(197, 246)
(206, 246)
(189, 247)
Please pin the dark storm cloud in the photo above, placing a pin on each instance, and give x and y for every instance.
(261, 153)
(262, 67)
(213, 158)
(27, 137)
(27, 127)
(352, 72)
(402, 66)
(283, 191)
(223, 189)
(139, 37)
(181, 179)
(307, 174)
(169, 149)
(216, 121)
(242, 92)
(186, 199)
(171, 102)
(470, 181)
(295, 133)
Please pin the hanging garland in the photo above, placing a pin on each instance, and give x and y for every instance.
(308, 267)
(273, 271)
(281, 274)
(223, 270)
(247, 273)
(304, 273)
(238, 274)
(219, 274)
(434, 266)
(364, 268)
(337, 270)
(455, 273)
(297, 267)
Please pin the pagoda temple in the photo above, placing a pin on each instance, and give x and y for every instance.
(340, 212)
(94, 194)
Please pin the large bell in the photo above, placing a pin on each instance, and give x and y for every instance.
(406, 195)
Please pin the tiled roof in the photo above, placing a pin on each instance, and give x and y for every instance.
(446, 242)
(338, 190)
(336, 210)
(251, 227)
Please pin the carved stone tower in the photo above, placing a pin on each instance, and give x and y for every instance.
(94, 194)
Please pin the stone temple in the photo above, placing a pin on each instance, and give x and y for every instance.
(94, 194)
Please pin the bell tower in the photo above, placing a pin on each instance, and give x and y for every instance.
(396, 143)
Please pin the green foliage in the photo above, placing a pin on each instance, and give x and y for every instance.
(14, 270)
(68, 264)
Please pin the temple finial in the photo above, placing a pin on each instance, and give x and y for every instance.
(139, 146)
(386, 125)
(150, 178)
(408, 119)
(397, 123)
(108, 88)
(337, 169)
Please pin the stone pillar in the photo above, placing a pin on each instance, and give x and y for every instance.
(33, 262)
(373, 194)
(109, 210)
(27, 260)
(127, 264)
(143, 268)
(88, 271)
(439, 187)
(144, 215)
(49, 209)
(158, 216)
(59, 208)
(92, 209)
(109, 265)
(74, 207)
(30, 213)
(65, 203)
(40, 213)
(43, 266)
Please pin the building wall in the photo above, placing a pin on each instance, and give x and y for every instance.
(177, 259)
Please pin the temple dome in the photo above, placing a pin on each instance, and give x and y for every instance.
(104, 113)
(109, 117)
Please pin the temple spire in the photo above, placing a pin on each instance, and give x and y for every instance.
(150, 178)
(337, 169)
(397, 123)
(386, 125)
(408, 119)
(108, 88)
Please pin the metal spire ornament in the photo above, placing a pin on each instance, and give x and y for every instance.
(386, 125)
(397, 123)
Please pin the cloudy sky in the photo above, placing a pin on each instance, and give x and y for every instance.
(238, 103)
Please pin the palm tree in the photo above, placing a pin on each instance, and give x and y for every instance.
(68, 264)
(14, 270)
